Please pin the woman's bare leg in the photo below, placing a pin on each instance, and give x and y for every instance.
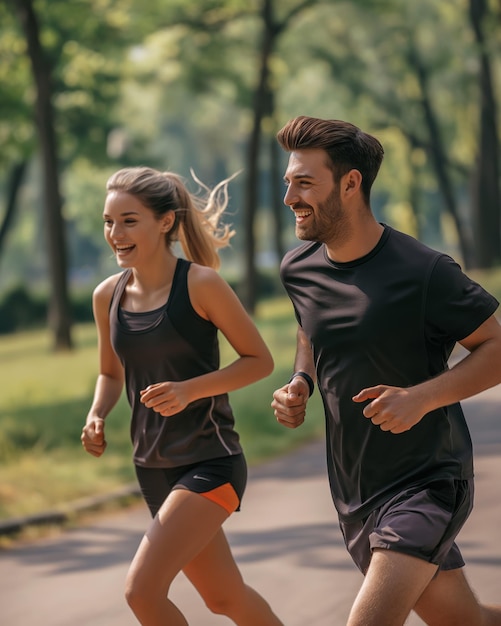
(218, 580)
(184, 525)
(186, 535)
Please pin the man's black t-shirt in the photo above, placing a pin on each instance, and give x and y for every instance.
(391, 317)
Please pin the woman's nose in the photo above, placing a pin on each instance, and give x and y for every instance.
(116, 231)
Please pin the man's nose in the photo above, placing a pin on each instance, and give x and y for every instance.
(290, 196)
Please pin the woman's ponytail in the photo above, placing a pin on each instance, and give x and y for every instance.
(197, 224)
(200, 233)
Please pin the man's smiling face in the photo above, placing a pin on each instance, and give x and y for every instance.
(314, 197)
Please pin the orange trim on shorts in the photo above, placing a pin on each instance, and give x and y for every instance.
(225, 496)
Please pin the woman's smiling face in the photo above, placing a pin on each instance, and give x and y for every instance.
(132, 231)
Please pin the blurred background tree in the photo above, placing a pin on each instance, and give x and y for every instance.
(205, 84)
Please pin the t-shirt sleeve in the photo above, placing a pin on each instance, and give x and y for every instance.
(284, 272)
(456, 305)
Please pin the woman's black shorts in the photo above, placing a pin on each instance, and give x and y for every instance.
(221, 480)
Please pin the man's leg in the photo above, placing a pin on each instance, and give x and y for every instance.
(393, 584)
(449, 600)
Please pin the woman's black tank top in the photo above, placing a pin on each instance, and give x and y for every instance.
(171, 343)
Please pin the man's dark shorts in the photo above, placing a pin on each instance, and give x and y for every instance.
(422, 521)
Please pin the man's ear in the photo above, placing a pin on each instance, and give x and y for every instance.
(351, 182)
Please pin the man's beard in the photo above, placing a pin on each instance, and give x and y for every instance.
(329, 223)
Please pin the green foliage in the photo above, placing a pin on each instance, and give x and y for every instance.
(22, 309)
(84, 43)
(489, 279)
(361, 69)
(45, 398)
(169, 83)
(16, 119)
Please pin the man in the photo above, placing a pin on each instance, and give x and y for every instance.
(379, 314)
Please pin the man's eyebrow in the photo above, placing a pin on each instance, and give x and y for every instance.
(286, 178)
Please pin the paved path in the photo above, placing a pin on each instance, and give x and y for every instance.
(286, 540)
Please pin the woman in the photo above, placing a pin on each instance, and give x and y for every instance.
(157, 324)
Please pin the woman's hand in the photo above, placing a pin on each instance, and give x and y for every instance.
(167, 398)
(92, 436)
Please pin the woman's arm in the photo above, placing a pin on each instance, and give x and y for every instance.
(214, 300)
(110, 380)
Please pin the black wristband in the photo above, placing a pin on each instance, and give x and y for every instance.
(308, 379)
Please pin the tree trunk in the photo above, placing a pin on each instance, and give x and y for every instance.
(438, 156)
(59, 307)
(13, 186)
(277, 205)
(263, 106)
(249, 292)
(486, 193)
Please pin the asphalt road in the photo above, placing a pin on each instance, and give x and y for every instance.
(286, 540)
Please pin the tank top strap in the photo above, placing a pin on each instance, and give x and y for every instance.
(178, 299)
(179, 291)
(119, 290)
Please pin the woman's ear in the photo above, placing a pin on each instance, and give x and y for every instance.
(168, 221)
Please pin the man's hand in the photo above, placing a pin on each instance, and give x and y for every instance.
(92, 437)
(393, 409)
(289, 402)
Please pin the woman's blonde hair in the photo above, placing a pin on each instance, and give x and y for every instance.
(197, 218)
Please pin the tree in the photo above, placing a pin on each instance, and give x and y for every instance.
(263, 106)
(437, 151)
(486, 192)
(16, 121)
(59, 306)
(14, 181)
(400, 77)
(211, 64)
(75, 77)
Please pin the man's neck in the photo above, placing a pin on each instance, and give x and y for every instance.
(364, 238)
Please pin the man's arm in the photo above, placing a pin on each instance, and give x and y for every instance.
(289, 402)
(398, 409)
(304, 356)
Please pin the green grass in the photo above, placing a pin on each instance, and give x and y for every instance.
(45, 398)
